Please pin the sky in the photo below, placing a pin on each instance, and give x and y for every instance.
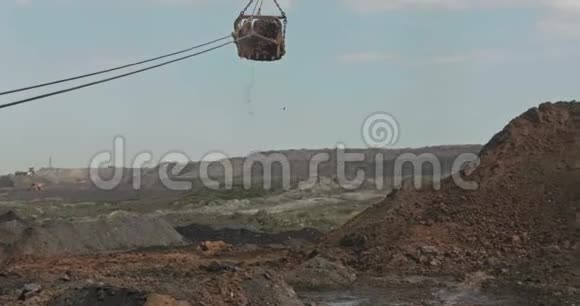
(449, 71)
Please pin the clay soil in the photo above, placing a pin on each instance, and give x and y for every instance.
(521, 222)
(188, 274)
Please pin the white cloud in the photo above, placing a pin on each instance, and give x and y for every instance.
(465, 57)
(446, 59)
(365, 57)
(562, 21)
(382, 5)
(561, 18)
(564, 5)
(23, 2)
(563, 27)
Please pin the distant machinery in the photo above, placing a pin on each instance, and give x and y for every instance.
(30, 172)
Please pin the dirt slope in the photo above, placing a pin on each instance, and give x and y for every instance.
(528, 179)
(112, 233)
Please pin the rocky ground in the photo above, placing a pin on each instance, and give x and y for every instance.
(228, 276)
(141, 278)
(515, 240)
(519, 224)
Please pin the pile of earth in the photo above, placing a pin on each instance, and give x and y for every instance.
(12, 229)
(94, 295)
(259, 287)
(196, 233)
(252, 287)
(524, 207)
(110, 233)
(320, 274)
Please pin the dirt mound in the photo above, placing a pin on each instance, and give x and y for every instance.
(319, 274)
(12, 230)
(121, 232)
(263, 287)
(106, 296)
(528, 179)
(253, 288)
(198, 233)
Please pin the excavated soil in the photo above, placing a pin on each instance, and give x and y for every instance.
(94, 295)
(524, 209)
(520, 226)
(177, 277)
(116, 232)
(12, 230)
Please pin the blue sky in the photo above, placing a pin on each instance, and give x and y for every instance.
(451, 71)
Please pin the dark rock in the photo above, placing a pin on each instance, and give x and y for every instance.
(99, 296)
(353, 241)
(29, 291)
(268, 288)
(215, 266)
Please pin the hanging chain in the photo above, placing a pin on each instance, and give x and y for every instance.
(285, 25)
(247, 7)
(280, 8)
(284, 18)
